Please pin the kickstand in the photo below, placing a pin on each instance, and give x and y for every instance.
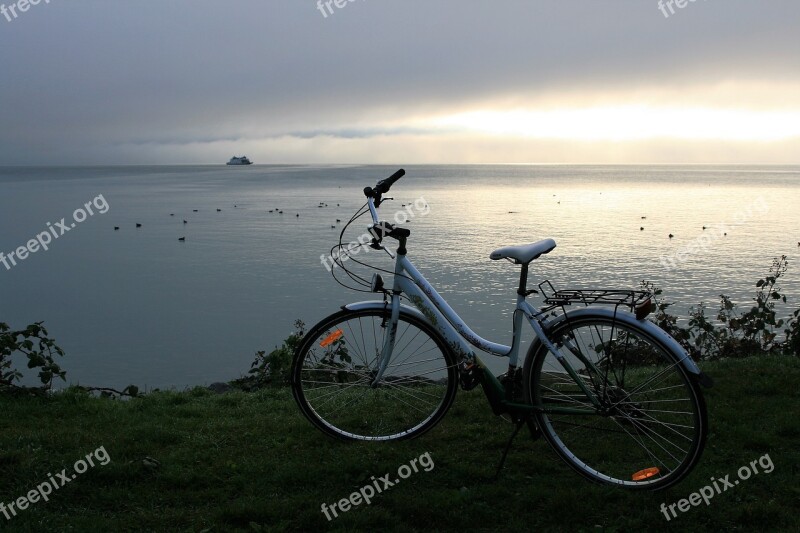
(519, 425)
(534, 429)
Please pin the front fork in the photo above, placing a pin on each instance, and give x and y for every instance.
(388, 345)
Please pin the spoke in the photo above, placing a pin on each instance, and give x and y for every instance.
(329, 371)
(682, 386)
(408, 344)
(328, 386)
(628, 394)
(404, 390)
(332, 395)
(643, 446)
(578, 426)
(355, 346)
(405, 402)
(348, 404)
(667, 425)
(399, 338)
(646, 431)
(415, 362)
(566, 397)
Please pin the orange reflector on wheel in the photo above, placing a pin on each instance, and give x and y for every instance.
(646, 473)
(330, 339)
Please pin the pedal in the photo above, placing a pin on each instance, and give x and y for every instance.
(469, 376)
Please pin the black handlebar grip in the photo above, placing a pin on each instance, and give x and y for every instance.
(383, 186)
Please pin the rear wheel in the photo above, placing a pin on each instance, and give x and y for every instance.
(651, 426)
(336, 364)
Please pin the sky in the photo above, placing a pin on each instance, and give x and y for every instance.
(85, 82)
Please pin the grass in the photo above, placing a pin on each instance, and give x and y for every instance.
(250, 462)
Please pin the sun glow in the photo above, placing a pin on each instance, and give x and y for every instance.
(634, 122)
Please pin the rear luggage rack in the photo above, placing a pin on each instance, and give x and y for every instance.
(638, 302)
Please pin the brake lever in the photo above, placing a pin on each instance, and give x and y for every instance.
(379, 200)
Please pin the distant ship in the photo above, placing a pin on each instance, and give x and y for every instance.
(239, 161)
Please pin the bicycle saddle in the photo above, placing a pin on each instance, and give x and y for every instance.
(524, 253)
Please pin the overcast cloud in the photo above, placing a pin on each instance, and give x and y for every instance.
(195, 81)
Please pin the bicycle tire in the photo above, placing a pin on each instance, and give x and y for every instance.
(416, 391)
(645, 440)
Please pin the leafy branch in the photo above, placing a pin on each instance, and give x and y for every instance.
(37, 346)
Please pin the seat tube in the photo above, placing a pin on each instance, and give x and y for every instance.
(513, 355)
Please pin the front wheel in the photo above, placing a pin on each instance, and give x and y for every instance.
(334, 371)
(650, 427)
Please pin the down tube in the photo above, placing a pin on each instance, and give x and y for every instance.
(442, 308)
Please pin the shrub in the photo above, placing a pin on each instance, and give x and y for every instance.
(735, 333)
(40, 349)
(273, 368)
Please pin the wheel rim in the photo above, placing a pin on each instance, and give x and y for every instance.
(339, 364)
(648, 430)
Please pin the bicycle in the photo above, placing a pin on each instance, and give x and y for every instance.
(615, 396)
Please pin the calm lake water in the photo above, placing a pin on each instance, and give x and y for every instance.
(138, 306)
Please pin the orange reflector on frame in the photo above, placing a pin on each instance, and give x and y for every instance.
(330, 339)
(641, 475)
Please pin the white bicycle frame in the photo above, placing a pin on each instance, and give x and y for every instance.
(408, 281)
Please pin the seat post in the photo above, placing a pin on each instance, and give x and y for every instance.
(523, 280)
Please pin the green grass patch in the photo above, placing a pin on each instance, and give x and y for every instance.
(195, 461)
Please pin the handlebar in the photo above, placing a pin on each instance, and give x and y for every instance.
(381, 229)
(383, 186)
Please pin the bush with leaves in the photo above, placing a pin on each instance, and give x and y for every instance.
(37, 346)
(667, 321)
(736, 333)
(273, 368)
(705, 337)
(756, 327)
